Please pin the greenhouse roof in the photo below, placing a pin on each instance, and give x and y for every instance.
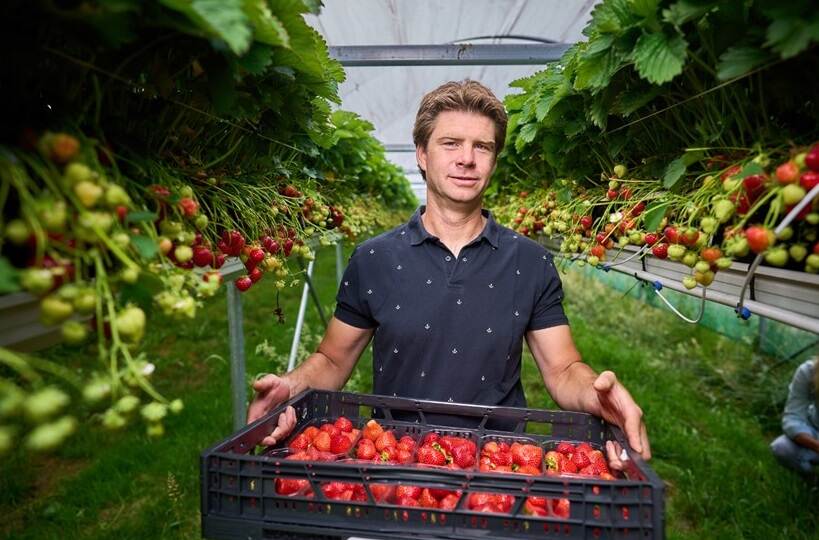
(389, 96)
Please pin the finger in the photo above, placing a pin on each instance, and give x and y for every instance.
(605, 381)
(613, 453)
(265, 383)
(270, 440)
(646, 445)
(287, 420)
(634, 428)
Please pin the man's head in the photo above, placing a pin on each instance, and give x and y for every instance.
(461, 96)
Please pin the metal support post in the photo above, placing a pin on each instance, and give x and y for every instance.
(339, 262)
(237, 355)
(294, 347)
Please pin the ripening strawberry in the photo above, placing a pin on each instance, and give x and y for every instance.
(812, 158)
(788, 172)
(372, 430)
(759, 238)
(340, 444)
(343, 424)
(660, 251)
(427, 455)
(322, 442)
(366, 449)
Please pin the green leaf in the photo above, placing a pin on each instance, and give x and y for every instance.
(267, 28)
(610, 16)
(228, 20)
(525, 136)
(635, 98)
(564, 195)
(595, 72)
(645, 8)
(673, 173)
(598, 112)
(751, 168)
(659, 58)
(9, 277)
(653, 216)
(599, 44)
(146, 247)
(792, 35)
(256, 60)
(687, 10)
(740, 60)
(136, 217)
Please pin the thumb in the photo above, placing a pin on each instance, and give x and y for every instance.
(265, 384)
(605, 381)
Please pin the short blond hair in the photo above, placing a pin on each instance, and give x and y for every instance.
(467, 96)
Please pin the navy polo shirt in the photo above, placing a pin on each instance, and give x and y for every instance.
(450, 328)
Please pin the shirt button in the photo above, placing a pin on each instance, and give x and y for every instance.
(448, 258)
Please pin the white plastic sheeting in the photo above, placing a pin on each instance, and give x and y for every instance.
(389, 96)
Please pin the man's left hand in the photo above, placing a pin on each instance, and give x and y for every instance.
(618, 407)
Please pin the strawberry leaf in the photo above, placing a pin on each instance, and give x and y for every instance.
(673, 173)
(267, 28)
(658, 57)
(790, 36)
(146, 247)
(740, 60)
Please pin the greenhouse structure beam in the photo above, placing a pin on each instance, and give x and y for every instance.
(448, 55)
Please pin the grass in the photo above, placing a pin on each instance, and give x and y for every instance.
(710, 404)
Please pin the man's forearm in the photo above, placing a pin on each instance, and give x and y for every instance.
(573, 389)
(805, 440)
(317, 371)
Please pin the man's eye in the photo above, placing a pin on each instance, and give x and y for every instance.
(450, 144)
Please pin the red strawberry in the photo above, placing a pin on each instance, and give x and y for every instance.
(243, 283)
(403, 456)
(599, 467)
(202, 256)
(426, 500)
(365, 450)
(427, 455)
(586, 222)
(310, 432)
(812, 158)
(382, 492)
(528, 454)
(652, 238)
(759, 238)
(581, 459)
(566, 448)
(671, 235)
(188, 206)
(406, 501)
(788, 172)
(411, 492)
(528, 469)
(809, 180)
(449, 502)
(373, 430)
(660, 251)
(322, 442)
(330, 428)
(560, 508)
(611, 194)
(710, 254)
(340, 444)
(754, 185)
(386, 439)
(290, 486)
(463, 457)
(300, 442)
(478, 500)
(568, 466)
(255, 275)
(388, 455)
(431, 438)
(406, 443)
(534, 510)
(343, 424)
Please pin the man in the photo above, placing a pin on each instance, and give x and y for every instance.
(449, 296)
(798, 447)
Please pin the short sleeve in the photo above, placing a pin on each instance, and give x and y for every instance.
(548, 308)
(351, 306)
(795, 420)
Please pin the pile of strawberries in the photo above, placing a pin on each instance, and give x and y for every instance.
(581, 459)
(334, 439)
(381, 446)
(416, 496)
(447, 451)
(522, 458)
(544, 507)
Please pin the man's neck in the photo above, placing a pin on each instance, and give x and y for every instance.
(454, 227)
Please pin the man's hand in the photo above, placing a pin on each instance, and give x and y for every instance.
(618, 407)
(270, 392)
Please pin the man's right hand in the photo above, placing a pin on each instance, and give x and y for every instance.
(271, 391)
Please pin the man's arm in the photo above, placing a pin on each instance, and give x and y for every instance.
(326, 369)
(575, 386)
(805, 440)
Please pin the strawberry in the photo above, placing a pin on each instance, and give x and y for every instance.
(611, 194)
(373, 430)
(585, 447)
(528, 469)
(759, 238)
(560, 508)
(599, 467)
(450, 502)
(410, 492)
(382, 492)
(290, 191)
(426, 500)
(504, 502)
(403, 456)
(340, 444)
(365, 450)
(343, 424)
(202, 256)
(671, 235)
(386, 439)
(534, 510)
(710, 254)
(388, 455)
(431, 438)
(300, 442)
(568, 466)
(754, 185)
(188, 206)
(566, 448)
(287, 247)
(406, 443)
(290, 486)
(427, 455)
(330, 428)
(598, 251)
(479, 500)
(788, 172)
(809, 180)
(689, 236)
(310, 432)
(255, 275)
(527, 454)
(406, 501)
(322, 441)
(581, 459)
(586, 222)
(660, 251)
(651, 238)
(553, 460)
(812, 158)
(463, 456)
(243, 283)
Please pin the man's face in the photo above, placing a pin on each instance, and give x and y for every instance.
(460, 156)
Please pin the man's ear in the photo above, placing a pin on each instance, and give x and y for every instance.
(421, 157)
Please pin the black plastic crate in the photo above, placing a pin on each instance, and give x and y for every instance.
(239, 500)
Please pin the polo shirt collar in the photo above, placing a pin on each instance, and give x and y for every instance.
(417, 232)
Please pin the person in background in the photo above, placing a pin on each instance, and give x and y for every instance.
(798, 447)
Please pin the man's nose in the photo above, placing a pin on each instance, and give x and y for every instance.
(466, 157)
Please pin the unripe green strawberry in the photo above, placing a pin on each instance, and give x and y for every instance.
(186, 192)
(91, 224)
(129, 275)
(676, 252)
(17, 232)
(37, 281)
(620, 171)
(11, 399)
(126, 404)
(86, 301)
(74, 332)
(689, 282)
(54, 215)
(75, 173)
(49, 436)
(186, 237)
(96, 391)
(785, 234)
(54, 310)
(792, 194)
(592, 260)
(170, 228)
(154, 411)
(6, 439)
(690, 258)
(121, 239)
(116, 196)
(812, 218)
(68, 292)
(799, 159)
(724, 263)
(201, 222)
(45, 403)
(709, 181)
(708, 224)
(88, 193)
(176, 406)
(155, 430)
(130, 324)
(704, 278)
(798, 252)
(113, 420)
(777, 256)
(731, 184)
(702, 266)
(812, 261)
